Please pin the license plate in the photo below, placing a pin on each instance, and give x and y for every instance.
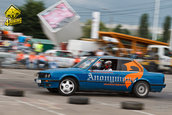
(38, 81)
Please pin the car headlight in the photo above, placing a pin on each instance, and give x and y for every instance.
(48, 75)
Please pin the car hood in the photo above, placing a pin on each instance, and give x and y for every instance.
(61, 70)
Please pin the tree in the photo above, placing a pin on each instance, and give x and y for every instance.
(87, 28)
(143, 27)
(166, 27)
(119, 29)
(30, 22)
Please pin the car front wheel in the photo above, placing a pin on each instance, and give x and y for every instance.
(141, 89)
(67, 86)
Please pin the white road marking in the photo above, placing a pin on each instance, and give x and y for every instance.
(32, 105)
(117, 105)
(49, 104)
(146, 113)
(41, 108)
(113, 105)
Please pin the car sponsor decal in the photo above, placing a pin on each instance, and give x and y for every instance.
(117, 80)
(130, 78)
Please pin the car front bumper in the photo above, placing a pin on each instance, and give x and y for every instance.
(49, 83)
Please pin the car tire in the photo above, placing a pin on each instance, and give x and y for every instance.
(141, 89)
(132, 105)
(52, 90)
(78, 100)
(67, 87)
(14, 92)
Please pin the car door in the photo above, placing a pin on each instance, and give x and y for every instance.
(126, 73)
(64, 59)
(99, 78)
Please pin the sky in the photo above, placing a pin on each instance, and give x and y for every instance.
(112, 11)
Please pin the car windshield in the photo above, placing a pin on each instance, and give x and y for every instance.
(85, 63)
(63, 54)
(167, 52)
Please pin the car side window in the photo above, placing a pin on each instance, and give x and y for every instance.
(127, 65)
(167, 52)
(105, 64)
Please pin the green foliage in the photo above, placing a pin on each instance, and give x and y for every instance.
(87, 28)
(119, 29)
(30, 22)
(143, 27)
(166, 27)
(103, 27)
(160, 39)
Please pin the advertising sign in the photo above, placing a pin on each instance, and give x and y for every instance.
(60, 22)
(58, 16)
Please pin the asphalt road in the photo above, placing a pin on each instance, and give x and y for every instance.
(39, 101)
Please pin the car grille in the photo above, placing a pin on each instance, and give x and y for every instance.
(41, 75)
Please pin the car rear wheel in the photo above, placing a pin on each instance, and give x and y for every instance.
(67, 86)
(141, 89)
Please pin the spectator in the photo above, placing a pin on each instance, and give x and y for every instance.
(22, 39)
(20, 57)
(32, 61)
(38, 47)
(100, 52)
(42, 61)
(27, 44)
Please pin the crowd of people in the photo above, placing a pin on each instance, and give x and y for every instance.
(34, 61)
(27, 53)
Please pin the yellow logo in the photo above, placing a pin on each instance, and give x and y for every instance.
(11, 14)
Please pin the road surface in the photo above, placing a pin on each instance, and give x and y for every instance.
(38, 101)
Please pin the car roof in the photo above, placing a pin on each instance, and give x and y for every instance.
(113, 57)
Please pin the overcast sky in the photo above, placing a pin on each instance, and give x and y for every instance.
(112, 11)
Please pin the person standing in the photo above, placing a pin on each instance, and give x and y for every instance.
(100, 52)
(38, 47)
(20, 57)
(31, 62)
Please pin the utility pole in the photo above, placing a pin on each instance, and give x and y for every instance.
(156, 20)
(95, 25)
(171, 40)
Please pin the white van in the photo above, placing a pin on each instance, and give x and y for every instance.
(163, 55)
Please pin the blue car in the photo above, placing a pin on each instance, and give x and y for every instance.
(105, 73)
